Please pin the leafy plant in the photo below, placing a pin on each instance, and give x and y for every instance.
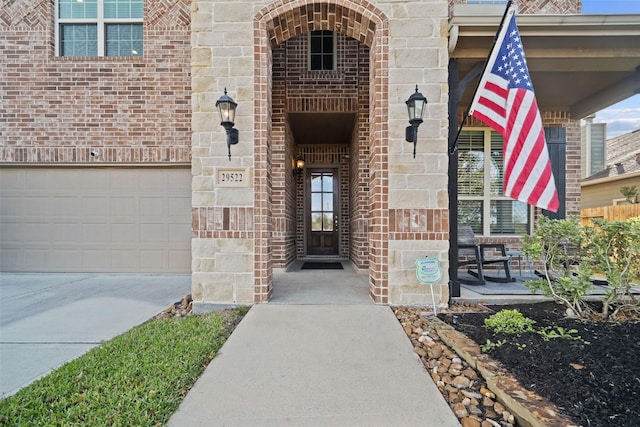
(520, 346)
(559, 332)
(490, 345)
(569, 253)
(631, 193)
(559, 247)
(510, 322)
(615, 251)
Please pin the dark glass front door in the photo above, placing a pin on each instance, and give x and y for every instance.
(322, 212)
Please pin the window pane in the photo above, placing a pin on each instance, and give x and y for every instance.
(327, 222)
(321, 50)
(73, 9)
(316, 43)
(316, 221)
(123, 39)
(327, 42)
(316, 201)
(123, 8)
(497, 164)
(470, 213)
(327, 62)
(327, 184)
(480, 166)
(316, 182)
(78, 40)
(509, 217)
(471, 163)
(327, 202)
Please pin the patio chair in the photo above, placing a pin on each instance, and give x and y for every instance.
(476, 255)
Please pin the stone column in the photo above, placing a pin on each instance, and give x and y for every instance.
(223, 189)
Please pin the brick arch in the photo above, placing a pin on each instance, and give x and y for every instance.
(356, 18)
(273, 25)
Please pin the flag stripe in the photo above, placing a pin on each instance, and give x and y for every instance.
(495, 94)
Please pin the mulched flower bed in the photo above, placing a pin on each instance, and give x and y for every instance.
(595, 381)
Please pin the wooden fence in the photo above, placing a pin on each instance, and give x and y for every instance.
(610, 213)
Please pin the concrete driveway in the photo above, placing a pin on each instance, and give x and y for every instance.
(49, 319)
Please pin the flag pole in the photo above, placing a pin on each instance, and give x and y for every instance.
(454, 146)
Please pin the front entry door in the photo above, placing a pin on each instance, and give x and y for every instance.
(322, 211)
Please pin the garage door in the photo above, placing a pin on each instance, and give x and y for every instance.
(95, 220)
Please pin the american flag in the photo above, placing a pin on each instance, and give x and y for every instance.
(505, 101)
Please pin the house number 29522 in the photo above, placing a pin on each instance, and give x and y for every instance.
(232, 177)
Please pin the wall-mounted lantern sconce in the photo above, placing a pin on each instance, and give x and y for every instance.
(227, 110)
(299, 166)
(415, 107)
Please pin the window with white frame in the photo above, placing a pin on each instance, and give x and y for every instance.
(99, 27)
(322, 50)
(481, 202)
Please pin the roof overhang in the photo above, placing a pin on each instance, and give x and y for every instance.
(610, 179)
(578, 63)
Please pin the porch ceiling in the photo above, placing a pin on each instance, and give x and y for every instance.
(578, 63)
(322, 128)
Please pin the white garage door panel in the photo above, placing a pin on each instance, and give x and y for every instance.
(95, 220)
(94, 207)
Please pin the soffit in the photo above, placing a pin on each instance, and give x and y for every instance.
(578, 63)
(322, 128)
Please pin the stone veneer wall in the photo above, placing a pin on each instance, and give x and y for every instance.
(131, 110)
(224, 219)
(407, 43)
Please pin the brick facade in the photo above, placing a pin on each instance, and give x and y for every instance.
(297, 90)
(126, 109)
(364, 23)
(160, 109)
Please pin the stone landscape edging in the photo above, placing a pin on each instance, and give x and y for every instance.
(529, 408)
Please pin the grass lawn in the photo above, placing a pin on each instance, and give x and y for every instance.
(136, 379)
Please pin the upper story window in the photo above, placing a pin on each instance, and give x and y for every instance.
(99, 27)
(322, 51)
(481, 202)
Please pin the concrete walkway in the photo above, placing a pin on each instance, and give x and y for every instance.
(49, 319)
(316, 365)
(321, 354)
(321, 287)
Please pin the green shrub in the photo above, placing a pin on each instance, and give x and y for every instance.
(510, 322)
(559, 247)
(615, 251)
(568, 254)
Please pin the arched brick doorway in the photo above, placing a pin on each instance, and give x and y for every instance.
(274, 25)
